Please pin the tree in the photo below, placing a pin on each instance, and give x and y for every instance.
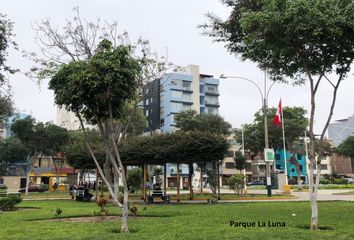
(346, 148)
(210, 123)
(75, 46)
(11, 151)
(206, 122)
(303, 40)
(96, 90)
(134, 179)
(6, 27)
(38, 139)
(6, 106)
(236, 183)
(75, 151)
(240, 161)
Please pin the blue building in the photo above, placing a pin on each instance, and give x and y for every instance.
(177, 92)
(291, 168)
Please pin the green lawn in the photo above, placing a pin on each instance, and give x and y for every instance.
(185, 221)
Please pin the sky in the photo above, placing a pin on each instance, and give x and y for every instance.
(172, 27)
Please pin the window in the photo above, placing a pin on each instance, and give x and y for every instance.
(212, 89)
(177, 107)
(212, 110)
(230, 165)
(186, 107)
(211, 100)
(176, 94)
(323, 167)
(187, 97)
(186, 85)
(147, 113)
(230, 154)
(175, 82)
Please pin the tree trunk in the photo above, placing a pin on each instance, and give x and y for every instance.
(30, 167)
(124, 228)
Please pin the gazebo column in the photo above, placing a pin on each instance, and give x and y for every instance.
(201, 178)
(190, 168)
(218, 172)
(144, 181)
(164, 180)
(178, 183)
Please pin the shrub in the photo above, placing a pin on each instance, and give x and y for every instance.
(325, 181)
(134, 179)
(8, 203)
(236, 183)
(340, 181)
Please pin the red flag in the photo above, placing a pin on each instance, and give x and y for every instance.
(277, 116)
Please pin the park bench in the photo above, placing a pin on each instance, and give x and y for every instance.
(83, 195)
(157, 193)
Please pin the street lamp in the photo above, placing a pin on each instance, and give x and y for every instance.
(264, 96)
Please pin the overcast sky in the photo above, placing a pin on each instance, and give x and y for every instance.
(167, 24)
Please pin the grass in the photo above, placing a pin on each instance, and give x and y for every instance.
(327, 186)
(184, 221)
(345, 193)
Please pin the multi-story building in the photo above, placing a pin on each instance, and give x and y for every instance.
(341, 165)
(177, 92)
(291, 167)
(340, 130)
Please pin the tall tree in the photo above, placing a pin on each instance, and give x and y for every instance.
(11, 151)
(38, 139)
(206, 122)
(97, 90)
(191, 121)
(6, 35)
(346, 148)
(75, 151)
(305, 40)
(76, 43)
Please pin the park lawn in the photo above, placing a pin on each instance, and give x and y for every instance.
(184, 221)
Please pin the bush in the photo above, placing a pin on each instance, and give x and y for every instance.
(236, 183)
(325, 181)
(340, 181)
(3, 187)
(134, 179)
(8, 203)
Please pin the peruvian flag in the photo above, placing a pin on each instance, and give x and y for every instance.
(277, 116)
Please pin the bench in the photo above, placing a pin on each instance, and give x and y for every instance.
(157, 193)
(81, 196)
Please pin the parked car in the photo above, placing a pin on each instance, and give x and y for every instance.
(255, 182)
(33, 188)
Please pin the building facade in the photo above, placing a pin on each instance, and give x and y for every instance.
(177, 92)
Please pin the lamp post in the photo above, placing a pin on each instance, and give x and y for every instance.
(264, 96)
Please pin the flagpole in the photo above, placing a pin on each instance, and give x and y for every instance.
(284, 149)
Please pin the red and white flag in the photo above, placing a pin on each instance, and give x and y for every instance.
(277, 116)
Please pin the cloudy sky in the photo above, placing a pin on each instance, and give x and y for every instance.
(170, 25)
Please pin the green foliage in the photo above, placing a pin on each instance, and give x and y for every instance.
(295, 124)
(75, 151)
(58, 212)
(39, 138)
(240, 161)
(206, 122)
(289, 38)
(12, 150)
(8, 203)
(102, 83)
(180, 146)
(346, 148)
(6, 27)
(6, 107)
(134, 179)
(236, 183)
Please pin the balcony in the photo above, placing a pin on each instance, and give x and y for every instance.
(214, 103)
